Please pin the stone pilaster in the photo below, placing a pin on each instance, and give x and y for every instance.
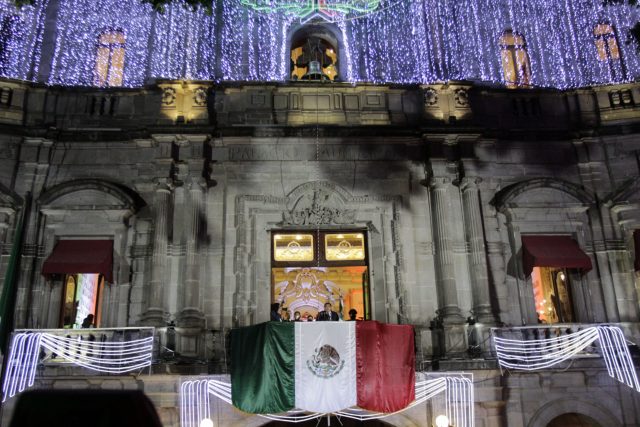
(156, 313)
(445, 272)
(191, 314)
(478, 258)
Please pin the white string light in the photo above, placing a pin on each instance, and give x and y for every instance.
(458, 390)
(537, 354)
(21, 28)
(112, 357)
(420, 41)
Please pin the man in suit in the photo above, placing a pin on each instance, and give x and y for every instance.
(328, 314)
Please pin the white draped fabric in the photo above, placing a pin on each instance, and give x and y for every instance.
(319, 345)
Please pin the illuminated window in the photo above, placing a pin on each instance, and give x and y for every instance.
(109, 70)
(343, 247)
(552, 294)
(606, 42)
(515, 60)
(293, 247)
(82, 296)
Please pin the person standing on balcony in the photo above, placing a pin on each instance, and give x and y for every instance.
(328, 314)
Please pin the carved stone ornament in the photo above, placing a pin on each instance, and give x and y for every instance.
(200, 96)
(430, 97)
(318, 207)
(319, 216)
(168, 96)
(462, 98)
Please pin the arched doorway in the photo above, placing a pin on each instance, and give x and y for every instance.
(314, 54)
(573, 419)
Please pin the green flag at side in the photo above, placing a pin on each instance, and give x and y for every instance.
(262, 368)
(7, 299)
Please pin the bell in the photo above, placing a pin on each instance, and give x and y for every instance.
(315, 72)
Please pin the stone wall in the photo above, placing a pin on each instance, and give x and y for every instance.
(189, 179)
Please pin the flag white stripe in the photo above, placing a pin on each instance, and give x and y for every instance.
(325, 378)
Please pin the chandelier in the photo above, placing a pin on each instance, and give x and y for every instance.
(306, 10)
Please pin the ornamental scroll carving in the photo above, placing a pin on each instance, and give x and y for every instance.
(318, 207)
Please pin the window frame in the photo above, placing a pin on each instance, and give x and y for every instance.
(106, 80)
(523, 79)
(319, 248)
(97, 310)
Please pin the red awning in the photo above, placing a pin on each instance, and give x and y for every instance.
(636, 243)
(81, 256)
(553, 251)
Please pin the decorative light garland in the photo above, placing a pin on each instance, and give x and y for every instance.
(103, 356)
(421, 41)
(21, 29)
(458, 390)
(537, 354)
(308, 9)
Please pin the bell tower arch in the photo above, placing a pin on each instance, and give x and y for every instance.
(315, 52)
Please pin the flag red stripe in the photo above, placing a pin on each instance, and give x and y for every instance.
(385, 361)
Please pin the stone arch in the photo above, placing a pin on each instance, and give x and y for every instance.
(86, 209)
(508, 195)
(325, 31)
(542, 206)
(9, 199)
(121, 196)
(551, 410)
(627, 190)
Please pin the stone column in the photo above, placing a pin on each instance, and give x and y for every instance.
(478, 260)
(445, 273)
(191, 314)
(156, 313)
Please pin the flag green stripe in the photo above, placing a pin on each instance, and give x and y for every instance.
(262, 367)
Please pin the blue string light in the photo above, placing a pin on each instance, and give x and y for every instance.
(422, 41)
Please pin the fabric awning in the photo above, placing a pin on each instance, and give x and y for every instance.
(553, 251)
(636, 244)
(81, 256)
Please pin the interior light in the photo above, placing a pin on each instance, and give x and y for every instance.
(298, 237)
(206, 423)
(340, 236)
(562, 276)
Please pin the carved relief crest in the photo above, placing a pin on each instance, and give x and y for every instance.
(319, 206)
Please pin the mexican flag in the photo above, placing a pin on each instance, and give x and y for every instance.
(322, 366)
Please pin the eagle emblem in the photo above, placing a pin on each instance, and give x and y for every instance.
(325, 362)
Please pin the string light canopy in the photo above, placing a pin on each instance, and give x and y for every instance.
(29, 348)
(397, 42)
(539, 354)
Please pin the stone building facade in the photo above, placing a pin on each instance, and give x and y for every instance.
(192, 175)
(444, 191)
